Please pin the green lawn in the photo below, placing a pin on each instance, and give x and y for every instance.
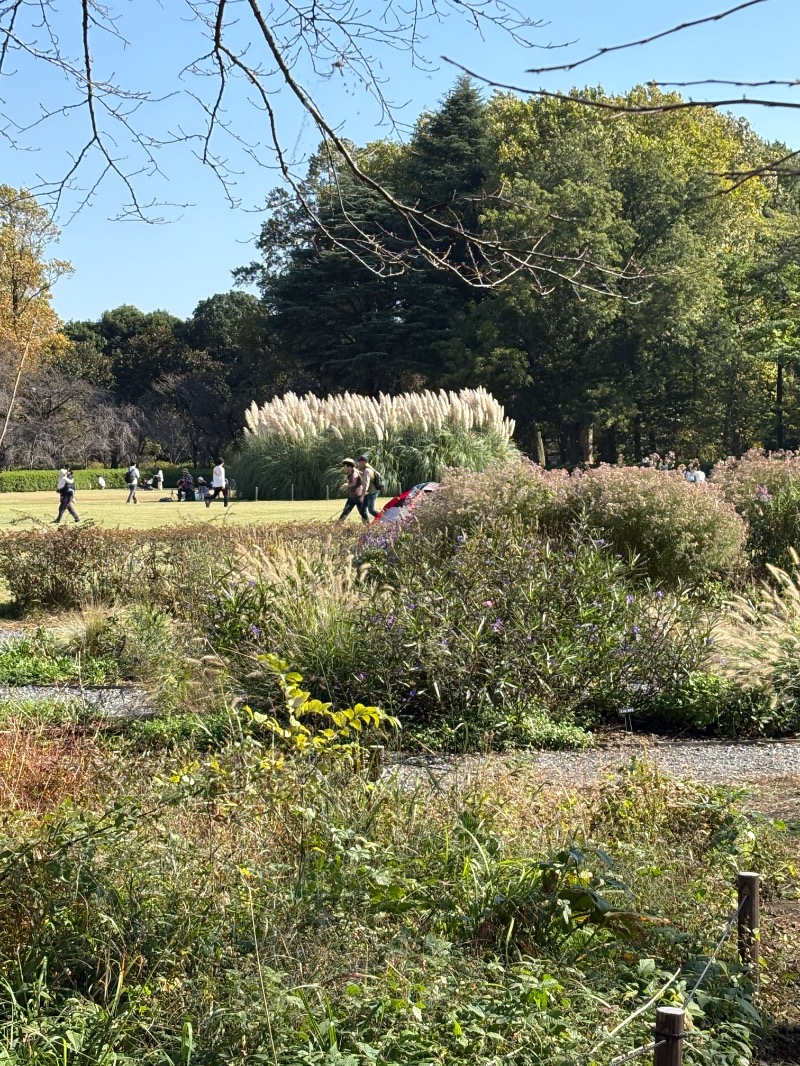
(24, 510)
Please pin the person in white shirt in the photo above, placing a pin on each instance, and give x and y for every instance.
(101, 482)
(132, 479)
(219, 484)
(159, 479)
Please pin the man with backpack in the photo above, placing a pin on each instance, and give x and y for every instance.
(132, 481)
(372, 485)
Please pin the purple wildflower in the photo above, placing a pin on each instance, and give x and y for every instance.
(497, 625)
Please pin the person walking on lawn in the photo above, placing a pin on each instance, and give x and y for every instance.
(371, 485)
(66, 494)
(219, 484)
(132, 481)
(354, 492)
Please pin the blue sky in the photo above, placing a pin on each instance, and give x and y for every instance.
(173, 266)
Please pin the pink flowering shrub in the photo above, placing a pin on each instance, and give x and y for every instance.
(677, 532)
(764, 487)
(519, 490)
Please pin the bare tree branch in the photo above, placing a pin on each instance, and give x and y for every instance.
(566, 67)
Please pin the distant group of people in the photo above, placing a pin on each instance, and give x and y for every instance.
(363, 484)
(220, 486)
(690, 471)
(205, 493)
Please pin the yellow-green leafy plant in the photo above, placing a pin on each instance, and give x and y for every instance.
(311, 726)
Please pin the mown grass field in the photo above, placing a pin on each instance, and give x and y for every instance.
(108, 508)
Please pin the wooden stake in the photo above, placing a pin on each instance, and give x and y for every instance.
(669, 1036)
(747, 884)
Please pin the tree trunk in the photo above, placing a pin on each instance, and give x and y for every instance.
(587, 443)
(541, 453)
(637, 440)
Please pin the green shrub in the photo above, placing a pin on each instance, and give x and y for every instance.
(764, 487)
(492, 634)
(679, 533)
(706, 703)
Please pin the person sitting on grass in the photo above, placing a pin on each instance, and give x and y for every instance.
(66, 494)
(185, 486)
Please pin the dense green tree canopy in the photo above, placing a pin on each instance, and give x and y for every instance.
(667, 319)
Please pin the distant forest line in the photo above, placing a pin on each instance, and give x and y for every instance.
(663, 313)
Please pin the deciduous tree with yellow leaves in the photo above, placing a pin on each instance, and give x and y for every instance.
(29, 327)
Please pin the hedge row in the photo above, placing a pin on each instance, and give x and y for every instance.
(45, 480)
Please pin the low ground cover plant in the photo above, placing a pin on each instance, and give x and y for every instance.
(271, 903)
(40, 660)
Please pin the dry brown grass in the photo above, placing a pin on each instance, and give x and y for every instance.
(40, 769)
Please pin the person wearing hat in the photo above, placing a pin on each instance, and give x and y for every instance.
(62, 475)
(354, 492)
(371, 484)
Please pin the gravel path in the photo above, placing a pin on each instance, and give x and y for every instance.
(710, 761)
(116, 702)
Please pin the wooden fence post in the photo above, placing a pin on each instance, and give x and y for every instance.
(669, 1036)
(747, 885)
(292, 492)
(377, 753)
(256, 493)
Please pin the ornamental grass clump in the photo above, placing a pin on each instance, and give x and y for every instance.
(758, 647)
(295, 445)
